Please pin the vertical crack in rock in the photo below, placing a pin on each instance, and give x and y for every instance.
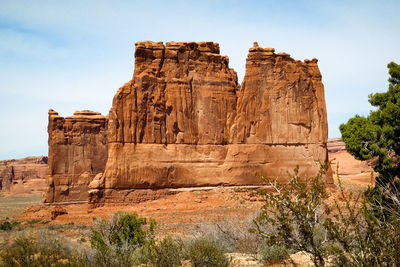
(184, 121)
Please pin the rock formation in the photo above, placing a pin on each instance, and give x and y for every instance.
(23, 176)
(348, 165)
(184, 121)
(77, 152)
(281, 101)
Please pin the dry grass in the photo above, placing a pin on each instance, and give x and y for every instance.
(11, 206)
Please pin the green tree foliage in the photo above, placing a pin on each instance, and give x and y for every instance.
(378, 137)
(125, 230)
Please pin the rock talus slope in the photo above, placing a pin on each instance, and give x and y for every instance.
(77, 152)
(184, 121)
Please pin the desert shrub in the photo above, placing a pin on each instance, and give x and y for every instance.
(205, 253)
(7, 225)
(292, 215)
(365, 236)
(349, 232)
(118, 242)
(39, 249)
(233, 234)
(168, 252)
(125, 229)
(274, 252)
(33, 221)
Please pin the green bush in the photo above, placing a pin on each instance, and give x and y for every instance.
(34, 221)
(37, 250)
(205, 253)
(352, 232)
(165, 253)
(118, 242)
(269, 253)
(292, 215)
(124, 230)
(7, 225)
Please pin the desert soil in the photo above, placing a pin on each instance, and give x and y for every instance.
(188, 211)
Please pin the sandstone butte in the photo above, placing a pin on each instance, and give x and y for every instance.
(185, 121)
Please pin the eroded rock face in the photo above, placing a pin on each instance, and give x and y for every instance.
(172, 116)
(281, 105)
(23, 176)
(184, 121)
(181, 93)
(77, 152)
(281, 101)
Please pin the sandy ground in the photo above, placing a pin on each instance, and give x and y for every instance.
(190, 209)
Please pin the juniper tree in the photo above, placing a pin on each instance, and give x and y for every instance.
(377, 137)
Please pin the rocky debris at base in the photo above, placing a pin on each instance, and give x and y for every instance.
(57, 211)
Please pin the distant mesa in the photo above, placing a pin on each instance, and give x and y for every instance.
(185, 121)
(24, 176)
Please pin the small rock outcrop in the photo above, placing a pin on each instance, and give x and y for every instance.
(345, 165)
(185, 121)
(77, 152)
(23, 176)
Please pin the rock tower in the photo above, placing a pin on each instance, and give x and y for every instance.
(184, 121)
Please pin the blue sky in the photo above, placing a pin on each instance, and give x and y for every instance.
(74, 55)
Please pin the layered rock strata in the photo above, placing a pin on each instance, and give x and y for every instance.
(184, 121)
(77, 152)
(23, 176)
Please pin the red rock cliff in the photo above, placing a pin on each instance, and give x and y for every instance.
(184, 121)
(77, 152)
(181, 93)
(281, 101)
